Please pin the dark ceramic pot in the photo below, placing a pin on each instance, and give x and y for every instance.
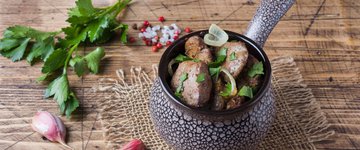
(187, 128)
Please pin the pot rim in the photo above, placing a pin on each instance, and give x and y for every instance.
(162, 71)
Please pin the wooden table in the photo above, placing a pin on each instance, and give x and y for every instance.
(322, 35)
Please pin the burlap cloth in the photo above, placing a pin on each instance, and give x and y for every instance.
(299, 120)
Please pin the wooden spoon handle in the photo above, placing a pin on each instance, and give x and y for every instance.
(266, 17)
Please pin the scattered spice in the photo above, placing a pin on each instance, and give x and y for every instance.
(331, 79)
(146, 23)
(187, 30)
(148, 43)
(158, 35)
(134, 26)
(154, 49)
(132, 40)
(159, 45)
(161, 19)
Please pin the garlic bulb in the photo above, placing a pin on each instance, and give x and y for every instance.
(50, 126)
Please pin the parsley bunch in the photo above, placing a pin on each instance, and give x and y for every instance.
(87, 24)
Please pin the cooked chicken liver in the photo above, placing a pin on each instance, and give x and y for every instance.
(195, 94)
(241, 54)
(196, 48)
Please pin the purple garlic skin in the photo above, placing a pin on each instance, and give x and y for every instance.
(50, 126)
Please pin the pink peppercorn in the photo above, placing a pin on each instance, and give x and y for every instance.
(161, 19)
(159, 45)
(187, 30)
(154, 49)
(146, 23)
(168, 43)
(132, 39)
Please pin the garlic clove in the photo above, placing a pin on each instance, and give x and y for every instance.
(50, 126)
(135, 144)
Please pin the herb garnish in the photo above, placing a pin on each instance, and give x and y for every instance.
(181, 58)
(180, 88)
(246, 91)
(220, 58)
(214, 72)
(256, 69)
(200, 78)
(87, 23)
(232, 56)
(227, 91)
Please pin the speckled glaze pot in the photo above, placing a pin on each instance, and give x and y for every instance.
(187, 128)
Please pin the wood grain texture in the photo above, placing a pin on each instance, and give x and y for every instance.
(322, 35)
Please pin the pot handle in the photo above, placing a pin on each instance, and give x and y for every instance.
(266, 17)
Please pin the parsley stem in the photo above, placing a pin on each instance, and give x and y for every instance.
(69, 56)
(109, 9)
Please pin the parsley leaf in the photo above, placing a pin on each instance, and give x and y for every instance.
(200, 78)
(181, 58)
(246, 91)
(256, 69)
(96, 28)
(227, 91)
(71, 104)
(17, 53)
(180, 88)
(124, 28)
(41, 49)
(8, 43)
(93, 59)
(232, 56)
(215, 71)
(79, 65)
(85, 7)
(59, 88)
(55, 61)
(220, 58)
(16, 41)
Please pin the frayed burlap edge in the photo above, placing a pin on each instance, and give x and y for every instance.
(124, 110)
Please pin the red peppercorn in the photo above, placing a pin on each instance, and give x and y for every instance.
(159, 45)
(177, 32)
(142, 30)
(161, 19)
(148, 42)
(154, 43)
(187, 30)
(154, 49)
(176, 37)
(146, 23)
(132, 39)
(168, 43)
